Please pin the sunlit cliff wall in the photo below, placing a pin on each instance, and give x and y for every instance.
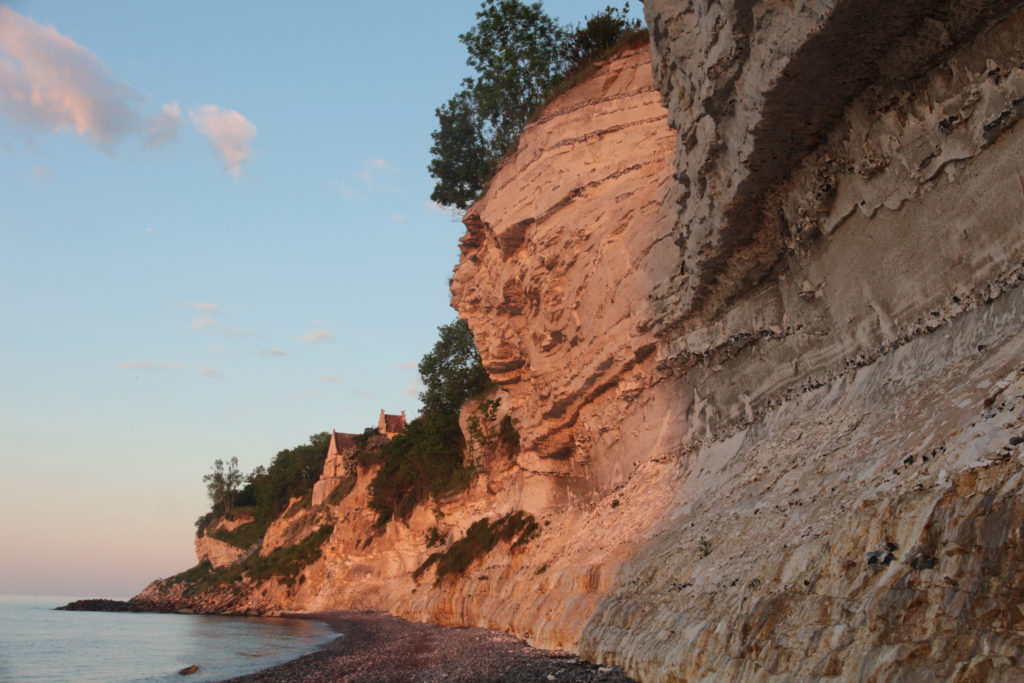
(807, 339)
(759, 322)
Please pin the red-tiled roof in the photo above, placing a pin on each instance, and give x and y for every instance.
(394, 423)
(340, 443)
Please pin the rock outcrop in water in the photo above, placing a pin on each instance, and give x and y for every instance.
(762, 335)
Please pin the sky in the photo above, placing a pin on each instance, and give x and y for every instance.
(216, 240)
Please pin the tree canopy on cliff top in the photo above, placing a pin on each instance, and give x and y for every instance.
(519, 54)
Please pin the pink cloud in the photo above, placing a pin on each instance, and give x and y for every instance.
(163, 127)
(49, 81)
(230, 135)
(316, 336)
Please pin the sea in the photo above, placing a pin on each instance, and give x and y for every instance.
(38, 643)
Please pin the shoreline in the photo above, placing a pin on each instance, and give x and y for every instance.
(376, 646)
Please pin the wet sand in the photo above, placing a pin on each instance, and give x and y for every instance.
(379, 647)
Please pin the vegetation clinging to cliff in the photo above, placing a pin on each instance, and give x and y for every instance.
(267, 490)
(480, 539)
(520, 55)
(427, 459)
(284, 563)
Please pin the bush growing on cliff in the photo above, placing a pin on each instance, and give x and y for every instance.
(284, 563)
(480, 539)
(427, 459)
(268, 491)
(519, 54)
(222, 484)
(517, 51)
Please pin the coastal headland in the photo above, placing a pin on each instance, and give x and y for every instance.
(749, 302)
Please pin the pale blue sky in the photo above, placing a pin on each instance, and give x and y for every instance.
(215, 240)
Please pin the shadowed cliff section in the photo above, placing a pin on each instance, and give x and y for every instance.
(752, 89)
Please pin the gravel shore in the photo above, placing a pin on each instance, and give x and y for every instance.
(379, 647)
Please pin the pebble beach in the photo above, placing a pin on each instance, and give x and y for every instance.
(378, 647)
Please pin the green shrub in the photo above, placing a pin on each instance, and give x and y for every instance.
(427, 458)
(508, 435)
(302, 503)
(204, 522)
(284, 563)
(343, 488)
(432, 537)
(244, 536)
(481, 537)
(522, 59)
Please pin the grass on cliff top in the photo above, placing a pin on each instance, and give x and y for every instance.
(284, 563)
(480, 539)
(580, 72)
(244, 536)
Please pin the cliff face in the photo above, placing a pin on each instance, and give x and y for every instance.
(607, 146)
(806, 335)
(761, 332)
(555, 258)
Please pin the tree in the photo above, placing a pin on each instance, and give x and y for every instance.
(427, 458)
(461, 159)
(518, 53)
(601, 32)
(222, 483)
(452, 370)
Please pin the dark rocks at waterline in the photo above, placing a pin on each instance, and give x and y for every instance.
(104, 605)
(189, 670)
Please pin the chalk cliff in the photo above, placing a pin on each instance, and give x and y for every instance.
(759, 323)
(816, 349)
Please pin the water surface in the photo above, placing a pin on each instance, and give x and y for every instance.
(38, 643)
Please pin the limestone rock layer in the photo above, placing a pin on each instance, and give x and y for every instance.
(806, 335)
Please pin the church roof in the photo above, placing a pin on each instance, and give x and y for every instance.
(340, 443)
(394, 423)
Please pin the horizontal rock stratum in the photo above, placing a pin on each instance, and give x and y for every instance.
(752, 298)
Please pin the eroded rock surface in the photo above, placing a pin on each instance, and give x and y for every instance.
(557, 255)
(765, 364)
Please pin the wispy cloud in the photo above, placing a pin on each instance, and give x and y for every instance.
(364, 393)
(230, 135)
(212, 308)
(397, 217)
(237, 331)
(42, 173)
(373, 169)
(150, 230)
(272, 353)
(150, 365)
(413, 390)
(344, 190)
(371, 175)
(206, 313)
(48, 81)
(163, 127)
(332, 380)
(408, 365)
(317, 336)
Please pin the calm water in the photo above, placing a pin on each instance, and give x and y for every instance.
(40, 644)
